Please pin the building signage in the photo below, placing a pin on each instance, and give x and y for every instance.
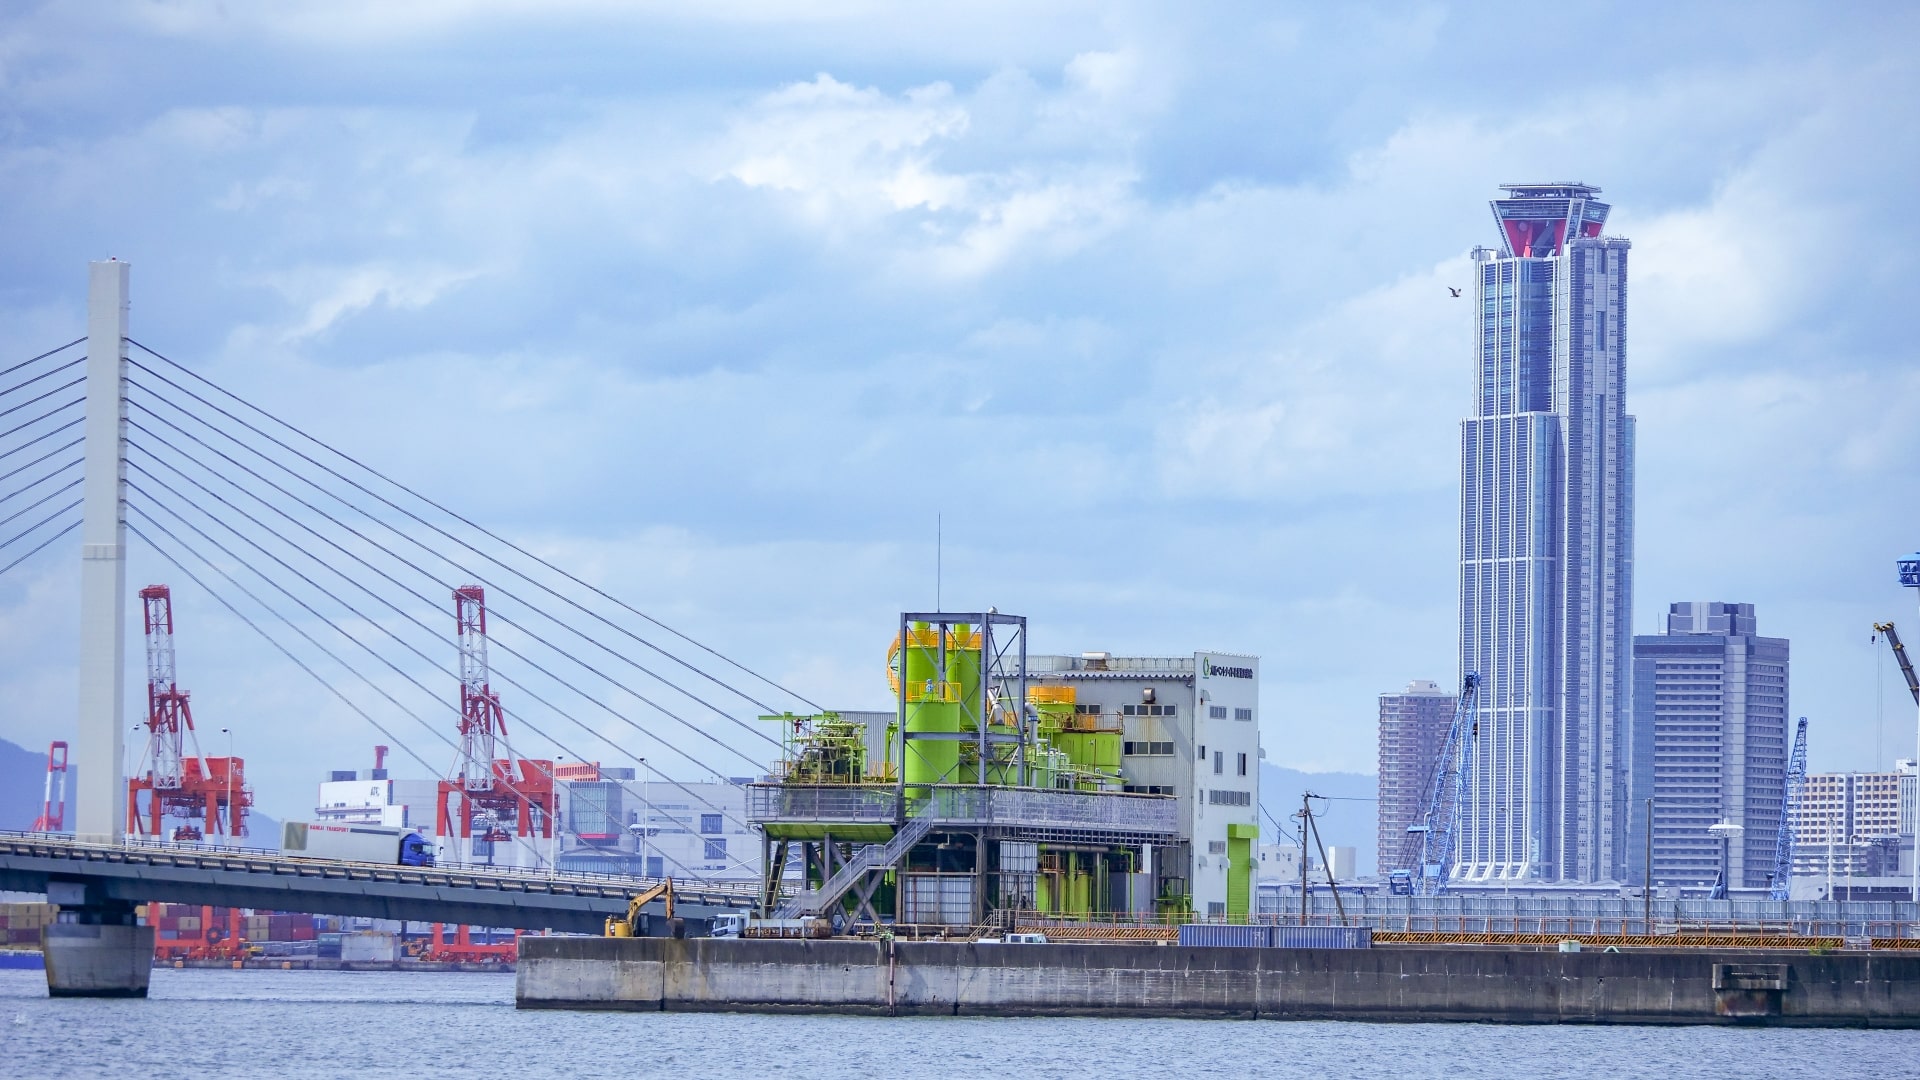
(1220, 672)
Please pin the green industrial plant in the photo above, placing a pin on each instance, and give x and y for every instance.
(986, 795)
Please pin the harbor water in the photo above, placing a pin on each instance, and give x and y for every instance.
(211, 1023)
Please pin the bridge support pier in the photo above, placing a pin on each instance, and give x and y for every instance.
(95, 949)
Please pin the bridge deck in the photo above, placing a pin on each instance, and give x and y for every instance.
(259, 878)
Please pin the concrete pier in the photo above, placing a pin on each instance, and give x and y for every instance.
(1396, 984)
(91, 960)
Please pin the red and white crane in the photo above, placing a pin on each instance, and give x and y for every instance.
(210, 794)
(484, 795)
(53, 811)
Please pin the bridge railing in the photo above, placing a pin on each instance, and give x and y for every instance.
(486, 873)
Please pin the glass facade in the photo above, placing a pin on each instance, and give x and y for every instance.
(1546, 544)
(1710, 702)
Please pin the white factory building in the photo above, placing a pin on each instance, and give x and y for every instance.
(1191, 729)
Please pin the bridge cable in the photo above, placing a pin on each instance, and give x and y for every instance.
(38, 525)
(416, 594)
(256, 599)
(4, 454)
(521, 719)
(31, 484)
(506, 619)
(71, 484)
(17, 428)
(361, 615)
(156, 523)
(562, 624)
(68, 385)
(470, 524)
(50, 352)
(42, 546)
(284, 651)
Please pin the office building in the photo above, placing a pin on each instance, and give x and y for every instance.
(1413, 731)
(1190, 728)
(1546, 543)
(1710, 708)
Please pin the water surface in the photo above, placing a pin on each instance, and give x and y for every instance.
(212, 1024)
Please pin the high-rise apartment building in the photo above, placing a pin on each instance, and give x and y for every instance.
(1413, 731)
(1546, 543)
(1710, 716)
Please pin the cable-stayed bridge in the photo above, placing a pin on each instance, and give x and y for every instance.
(345, 574)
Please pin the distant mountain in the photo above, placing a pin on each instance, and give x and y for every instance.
(23, 785)
(1349, 817)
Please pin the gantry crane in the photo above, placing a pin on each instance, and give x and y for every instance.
(1783, 845)
(1433, 842)
(211, 794)
(1886, 630)
(483, 790)
(53, 810)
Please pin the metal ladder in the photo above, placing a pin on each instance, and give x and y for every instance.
(868, 858)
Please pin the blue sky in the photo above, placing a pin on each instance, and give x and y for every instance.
(720, 309)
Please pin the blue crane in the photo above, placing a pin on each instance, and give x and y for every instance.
(1783, 846)
(1433, 841)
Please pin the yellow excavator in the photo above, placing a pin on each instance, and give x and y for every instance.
(629, 925)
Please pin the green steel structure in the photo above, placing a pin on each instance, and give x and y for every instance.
(985, 795)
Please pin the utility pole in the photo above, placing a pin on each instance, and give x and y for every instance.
(1304, 814)
(1646, 880)
(101, 795)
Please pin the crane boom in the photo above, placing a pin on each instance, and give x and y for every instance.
(1900, 657)
(1433, 842)
(1783, 845)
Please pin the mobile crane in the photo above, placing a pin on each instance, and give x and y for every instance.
(1886, 630)
(1432, 843)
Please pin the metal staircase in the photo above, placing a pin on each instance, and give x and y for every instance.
(869, 858)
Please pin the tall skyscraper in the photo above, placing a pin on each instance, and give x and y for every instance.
(1546, 543)
(1413, 731)
(1710, 716)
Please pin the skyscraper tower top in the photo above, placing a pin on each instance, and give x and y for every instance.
(1535, 220)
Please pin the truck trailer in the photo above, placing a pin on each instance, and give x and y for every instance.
(344, 842)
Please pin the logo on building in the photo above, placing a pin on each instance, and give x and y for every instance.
(1217, 671)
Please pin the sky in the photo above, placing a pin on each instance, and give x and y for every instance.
(727, 308)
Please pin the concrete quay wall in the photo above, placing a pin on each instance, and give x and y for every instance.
(1394, 984)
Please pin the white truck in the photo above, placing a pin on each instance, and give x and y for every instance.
(344, 842)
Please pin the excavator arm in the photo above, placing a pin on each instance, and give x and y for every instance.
(628, 925)
(1900, 656)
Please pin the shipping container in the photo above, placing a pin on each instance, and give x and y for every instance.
(371, 946)
(1222, 935)
(1321, 937)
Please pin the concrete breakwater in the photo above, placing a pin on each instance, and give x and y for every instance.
(1862, 989)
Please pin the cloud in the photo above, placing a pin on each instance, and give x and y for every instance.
(722, 308)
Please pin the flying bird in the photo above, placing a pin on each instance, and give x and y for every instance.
(1454, 291)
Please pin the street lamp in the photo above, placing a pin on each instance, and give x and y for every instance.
(1726, 831)
(1910, 579)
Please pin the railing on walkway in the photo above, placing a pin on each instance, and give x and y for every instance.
(967, 804)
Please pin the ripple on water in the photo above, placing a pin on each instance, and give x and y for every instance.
(213, 1024)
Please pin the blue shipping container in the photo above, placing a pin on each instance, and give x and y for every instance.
(1322, 937)
(1220, 934)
